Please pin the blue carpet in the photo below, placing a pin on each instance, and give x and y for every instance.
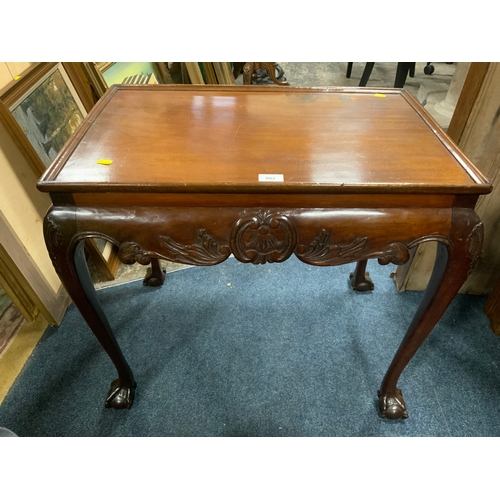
(285, 350)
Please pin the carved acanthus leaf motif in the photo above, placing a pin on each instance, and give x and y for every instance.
(52, 232)
(475, 241)
(206, 251)
(53, 239)
(263, 237)
(130, 252)
(397, 253)
(321, 251)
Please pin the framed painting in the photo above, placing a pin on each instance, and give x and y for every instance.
(129, 73)
(41, 110)
(48, 112)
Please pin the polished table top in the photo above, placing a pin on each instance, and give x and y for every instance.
(221, 139)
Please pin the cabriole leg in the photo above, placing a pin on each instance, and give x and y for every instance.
(454, 262)
(68, 257)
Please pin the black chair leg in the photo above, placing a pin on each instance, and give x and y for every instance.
(349, 70)
(366, 74)
(401, 74)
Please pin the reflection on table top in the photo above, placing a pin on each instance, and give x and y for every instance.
(213, 138)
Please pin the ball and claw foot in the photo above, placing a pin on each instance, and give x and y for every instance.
(120, 397)
(361, 285)
(154, 279)
(392, 407)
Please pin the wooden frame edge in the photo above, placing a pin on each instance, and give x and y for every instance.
(470, 90)
(474, 173)
(17, 287)
(21, 141)
(29, 77)
(11, 93)
(79, 79)
(52, 172)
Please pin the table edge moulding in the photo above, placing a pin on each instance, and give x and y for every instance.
(382, 207)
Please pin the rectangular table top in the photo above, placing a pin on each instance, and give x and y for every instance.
(188, 138)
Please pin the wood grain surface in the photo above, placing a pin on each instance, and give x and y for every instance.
(218, 139)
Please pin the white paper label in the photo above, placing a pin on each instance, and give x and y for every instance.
(271, 178)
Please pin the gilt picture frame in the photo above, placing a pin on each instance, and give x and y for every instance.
(40, 111)
(48, 111)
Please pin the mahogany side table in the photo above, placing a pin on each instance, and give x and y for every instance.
(333, 175)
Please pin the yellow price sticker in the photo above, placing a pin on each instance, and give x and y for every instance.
(379, 95)
(18, 77)
(104, 162)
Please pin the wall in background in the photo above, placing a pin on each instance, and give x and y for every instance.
(9, 71)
